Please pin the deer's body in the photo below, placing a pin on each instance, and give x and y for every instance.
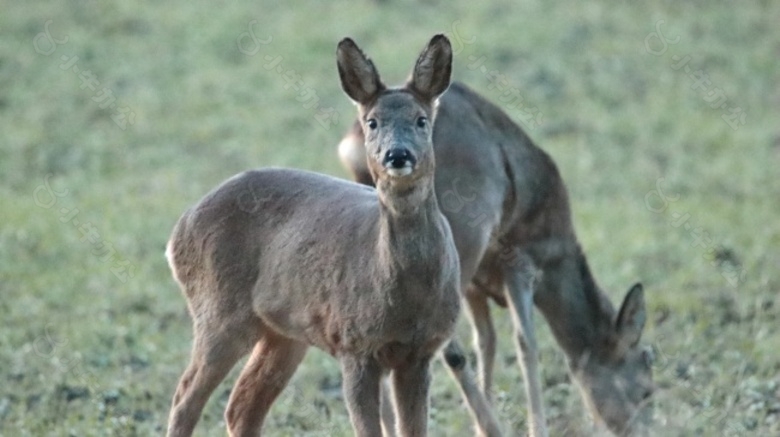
(509, 212)
(344, 298)
(279, 260)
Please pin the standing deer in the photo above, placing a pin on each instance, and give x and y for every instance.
(509, 213)
(279, 260)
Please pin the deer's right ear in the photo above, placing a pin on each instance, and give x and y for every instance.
(359, 77)
(631, 318)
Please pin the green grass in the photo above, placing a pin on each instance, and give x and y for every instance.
(83, 353)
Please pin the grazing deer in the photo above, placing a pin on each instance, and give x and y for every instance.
(509, 213)
(279, 260)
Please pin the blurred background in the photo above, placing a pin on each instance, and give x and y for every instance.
(115, 117)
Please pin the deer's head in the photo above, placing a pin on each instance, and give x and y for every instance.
(616, 378)
(397, 122)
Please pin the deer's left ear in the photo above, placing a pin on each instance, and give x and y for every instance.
(431, 75)
(631, 319)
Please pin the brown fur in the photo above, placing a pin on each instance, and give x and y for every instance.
(510, 216)
(278, 260)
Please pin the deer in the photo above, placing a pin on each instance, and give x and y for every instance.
(509, 211)
(275, 260)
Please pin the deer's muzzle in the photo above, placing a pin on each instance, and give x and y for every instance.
(399, 161)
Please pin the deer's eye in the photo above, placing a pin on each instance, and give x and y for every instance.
(422, 121)
(371, 123)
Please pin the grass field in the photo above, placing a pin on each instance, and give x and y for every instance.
(667, 187)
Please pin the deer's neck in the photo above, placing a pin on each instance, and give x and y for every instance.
(410, 224)
(407, 201)
(578, 312)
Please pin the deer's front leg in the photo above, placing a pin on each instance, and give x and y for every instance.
(411, 383)
(484, 339)
(520, 296)
(387, 409)
(362, 377)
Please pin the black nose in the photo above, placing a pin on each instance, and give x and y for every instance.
(398, 157)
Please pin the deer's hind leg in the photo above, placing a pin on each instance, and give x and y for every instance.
(267, 372)
(478, 405)
(220, 341)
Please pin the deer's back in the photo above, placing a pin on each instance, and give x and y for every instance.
(260, 211)
(475, 137)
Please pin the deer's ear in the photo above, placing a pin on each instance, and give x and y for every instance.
(631, 319)
(359, 77)
(431, 75)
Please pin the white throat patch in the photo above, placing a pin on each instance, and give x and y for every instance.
(403, 171)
